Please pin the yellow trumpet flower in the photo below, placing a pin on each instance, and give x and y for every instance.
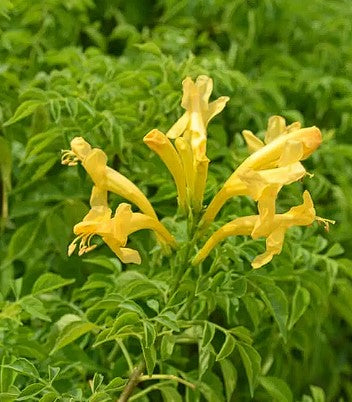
(199, 112)
(94, 161)
(270, 166)
(114, 231)
(161, 145)
(301, 215)
(190, 136)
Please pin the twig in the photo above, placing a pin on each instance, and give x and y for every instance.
(132, 383)
(166, 377)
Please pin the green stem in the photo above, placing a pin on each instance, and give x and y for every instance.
(166, 377)
(126, 355)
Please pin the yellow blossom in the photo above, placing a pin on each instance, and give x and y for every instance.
(161, 145)
(94, 161)
(114, 230)
(301, 215)
(270, 166)
(190, 135)
(199, 112)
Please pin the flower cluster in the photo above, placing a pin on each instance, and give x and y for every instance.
(273, 163)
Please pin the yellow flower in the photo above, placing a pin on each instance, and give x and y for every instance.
(271, 166)
(190, 136)
(114, 230)
(94, 161)
(301, 215)
(199, 112)
(161, 145)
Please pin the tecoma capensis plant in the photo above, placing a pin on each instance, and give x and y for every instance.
(274, 162)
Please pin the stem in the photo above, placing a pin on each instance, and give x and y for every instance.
(126, 355)
(166, 377)
(132, 383)
(147, 390)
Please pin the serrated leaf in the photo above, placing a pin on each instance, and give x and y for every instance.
(252, 362)
(227, 348)
(277, 389)
(49, 282)
(25, 109)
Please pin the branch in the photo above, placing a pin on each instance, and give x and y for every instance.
(166, 377)
(132, 383)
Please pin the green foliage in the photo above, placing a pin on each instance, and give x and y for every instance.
(74, 328)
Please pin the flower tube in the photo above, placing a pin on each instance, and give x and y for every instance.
(94, 161)
(273, 165)
(161, 145)
(301, 215)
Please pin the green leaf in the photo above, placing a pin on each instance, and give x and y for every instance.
(39, 142)
(227, 347)
(30, 391)
(317, 393)
(276, 301)
(335, 250)
(168, 319)
(252, 364)
(149, 47)
(167, 346)
(300, 302)
(49, 397)
(49, 282)
(239, 287)
(116, 384)
(25, 109)
(34, 307)
(208, 334)
(170, 394)
(229, 374)
(72, 332)
(128, 319)
(25, 367)
(277, 389)
(149, 334)
(149, 358)
(96, 382)
(22, 240)
(205, 357)
(113, 264)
